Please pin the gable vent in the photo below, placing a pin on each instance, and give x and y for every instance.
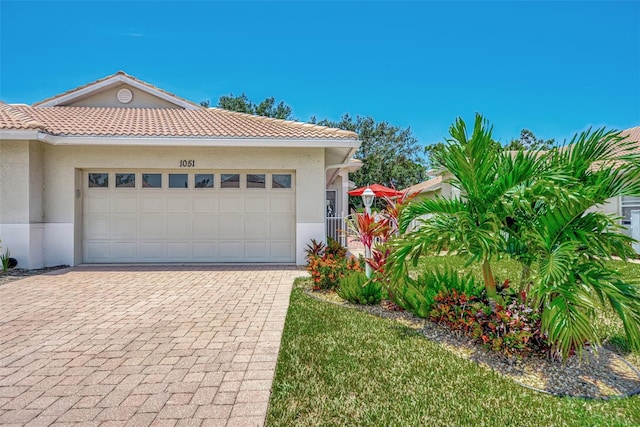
(124, 96)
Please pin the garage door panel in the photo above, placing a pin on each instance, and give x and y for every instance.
(125, 203)
(152, 227)
(230, 251)
(98, 227)
(256, 251)
(282, 204)
(152, 251)
(98, 251)
(205, 203)
(282, 251)
(124, 227)
(178, 204)
(205, 226)
(152, 203)
(205, 251)
(124, 251)
(256, 227)
(98, 203)
(281, 227)
(230, 204)
(256, 205)
(179, 250)
(231, 226)
(178, 226)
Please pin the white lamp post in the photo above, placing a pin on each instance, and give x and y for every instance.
(367, 198)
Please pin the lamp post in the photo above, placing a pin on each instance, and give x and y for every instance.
(367, 198)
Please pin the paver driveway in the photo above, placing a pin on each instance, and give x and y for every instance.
(184, 345)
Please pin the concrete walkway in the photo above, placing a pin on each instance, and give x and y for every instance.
(139, 346)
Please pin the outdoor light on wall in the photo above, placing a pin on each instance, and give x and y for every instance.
(367, 198)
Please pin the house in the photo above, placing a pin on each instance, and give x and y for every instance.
(121, 171)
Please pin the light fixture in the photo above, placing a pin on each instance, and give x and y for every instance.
(367, 198)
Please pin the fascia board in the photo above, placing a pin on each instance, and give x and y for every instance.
(19, 134)
(195, 142)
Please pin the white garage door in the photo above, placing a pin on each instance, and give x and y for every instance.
(195, 216)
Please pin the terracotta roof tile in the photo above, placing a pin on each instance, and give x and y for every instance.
(161, 122)
(14, 118)
(424, 186)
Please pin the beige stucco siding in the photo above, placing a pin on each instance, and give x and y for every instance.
(36, 181)
(108, 98)
(14, 182)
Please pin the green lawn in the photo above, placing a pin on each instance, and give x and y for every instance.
(339, 366)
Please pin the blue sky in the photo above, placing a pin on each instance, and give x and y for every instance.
(553, 67)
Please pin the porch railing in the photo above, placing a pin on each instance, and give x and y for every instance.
(337, 229)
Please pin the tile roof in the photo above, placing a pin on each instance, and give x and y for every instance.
(159, 122)
(633, 135)
(15, 119)
(424, 186)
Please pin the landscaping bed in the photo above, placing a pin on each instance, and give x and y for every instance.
(601, 374)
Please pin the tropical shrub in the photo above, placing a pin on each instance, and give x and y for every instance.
(356, 288)
(418, 295)
(327, 264)
(536, 207)
(512, 330)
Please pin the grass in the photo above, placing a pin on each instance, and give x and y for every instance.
(343, 367)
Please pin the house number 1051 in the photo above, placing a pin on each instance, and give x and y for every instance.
(187, 163)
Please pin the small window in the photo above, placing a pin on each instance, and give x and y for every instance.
(99, 180)
(126, 180)
(151, 180)
(279, 180)
(230, 180)
(178, 180)
(256, 181)
(204, 180)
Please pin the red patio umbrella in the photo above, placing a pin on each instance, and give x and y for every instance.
(378, 190)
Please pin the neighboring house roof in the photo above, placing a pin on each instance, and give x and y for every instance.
(159, 122)
(425, 186)
(633, 134)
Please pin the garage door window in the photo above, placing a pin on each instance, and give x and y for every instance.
(151, 180)
(204, 180)
(98, 180)
(178, 180)
(230, 180)
(279, 180)
(256, 181)
(126, 180)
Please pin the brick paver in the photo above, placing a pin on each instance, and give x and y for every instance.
(142, 345)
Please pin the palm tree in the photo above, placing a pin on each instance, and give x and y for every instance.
(489, 180)
(538, 208)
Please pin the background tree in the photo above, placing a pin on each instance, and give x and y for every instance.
(528, 141)
(392, 156)
(242, 104)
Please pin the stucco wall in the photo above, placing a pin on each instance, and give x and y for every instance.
(107, 98)
(14, 182)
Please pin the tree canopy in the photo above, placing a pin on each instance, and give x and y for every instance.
(391, 155)
(242, 104)
(528, 141)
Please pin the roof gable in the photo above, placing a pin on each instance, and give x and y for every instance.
(105, 92)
